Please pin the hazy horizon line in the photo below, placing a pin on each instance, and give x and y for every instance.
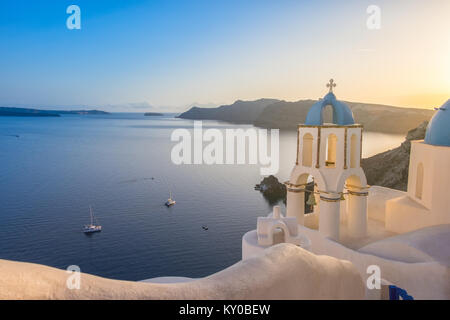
(146, 107)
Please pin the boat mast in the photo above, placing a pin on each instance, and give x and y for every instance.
(92, 218)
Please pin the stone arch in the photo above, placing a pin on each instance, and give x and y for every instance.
(299, 174)
(307, 149)
(295, 196)
(354, 180)
(303, 178)
(355, 177)
(419, 181)
(283, 227)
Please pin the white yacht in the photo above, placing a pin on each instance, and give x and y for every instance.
(170, 201)
(89, 228)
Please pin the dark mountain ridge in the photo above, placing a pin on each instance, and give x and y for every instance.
(242, 112)
(272, 113)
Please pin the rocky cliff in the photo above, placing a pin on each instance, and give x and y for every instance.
(390, 168)
(243, 112)
(274, 191)
(374, 117)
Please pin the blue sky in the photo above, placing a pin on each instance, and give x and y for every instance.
(130, 55)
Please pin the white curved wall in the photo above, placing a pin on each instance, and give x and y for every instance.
(284, 271)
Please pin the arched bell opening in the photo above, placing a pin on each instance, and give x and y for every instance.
(302, 199)
(354, 154)
(307, 150)
(330, 160)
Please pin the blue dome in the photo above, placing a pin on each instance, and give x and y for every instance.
(342, 115)
(438, 130)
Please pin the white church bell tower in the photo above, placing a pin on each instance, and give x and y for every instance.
(330, 153)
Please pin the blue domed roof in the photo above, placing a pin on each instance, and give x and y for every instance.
(438, 130)
(342, 115)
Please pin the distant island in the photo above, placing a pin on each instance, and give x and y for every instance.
(153, 114)
(25, 112)
(272, 113)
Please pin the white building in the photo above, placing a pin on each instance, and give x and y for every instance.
(405, 234)
(425, 203)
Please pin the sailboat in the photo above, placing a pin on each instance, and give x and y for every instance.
(170, 201)
(90, 228)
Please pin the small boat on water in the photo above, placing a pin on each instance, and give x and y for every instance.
(170, 201)
(90, 228)
(205, 228)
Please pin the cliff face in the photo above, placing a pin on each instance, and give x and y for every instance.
(390, 168)
(270, 113)
(374, 117)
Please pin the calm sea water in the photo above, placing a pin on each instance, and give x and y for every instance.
(57, 167)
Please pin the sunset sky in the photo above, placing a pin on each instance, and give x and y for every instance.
(130, 55)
